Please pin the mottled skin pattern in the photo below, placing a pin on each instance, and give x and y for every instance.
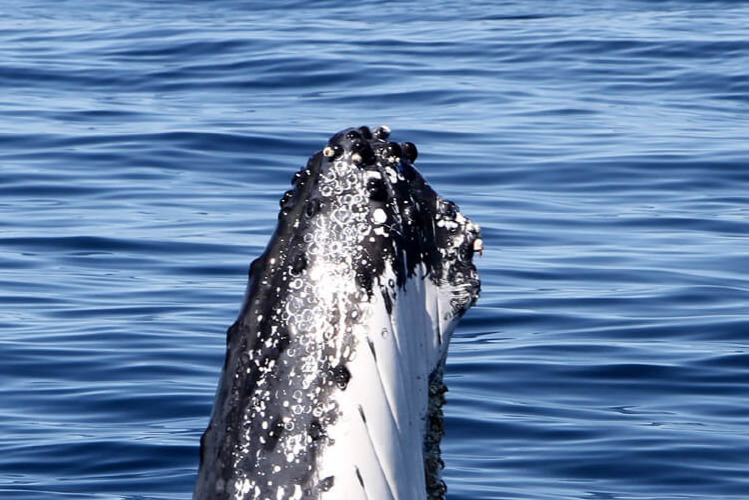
(358, 224)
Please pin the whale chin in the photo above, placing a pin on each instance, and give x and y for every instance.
(332, 384)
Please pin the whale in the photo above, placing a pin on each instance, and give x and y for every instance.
(332, 385)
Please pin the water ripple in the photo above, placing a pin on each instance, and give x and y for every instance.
(601, 147)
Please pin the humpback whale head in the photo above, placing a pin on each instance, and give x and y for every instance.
(332, 382)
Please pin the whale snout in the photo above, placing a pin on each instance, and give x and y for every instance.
(332, 384)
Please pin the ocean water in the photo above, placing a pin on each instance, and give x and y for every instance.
(601, 146)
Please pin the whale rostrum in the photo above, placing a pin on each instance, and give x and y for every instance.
(332, 383)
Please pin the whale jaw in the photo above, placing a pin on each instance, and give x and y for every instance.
(332, 383)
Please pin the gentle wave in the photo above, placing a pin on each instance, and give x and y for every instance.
(601, 148)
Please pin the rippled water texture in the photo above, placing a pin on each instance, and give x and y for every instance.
(144, 146)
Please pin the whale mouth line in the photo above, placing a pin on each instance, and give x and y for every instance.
(332, 383)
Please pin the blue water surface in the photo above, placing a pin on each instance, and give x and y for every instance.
(600, 145)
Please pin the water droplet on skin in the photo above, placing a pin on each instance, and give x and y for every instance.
(379, 216)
